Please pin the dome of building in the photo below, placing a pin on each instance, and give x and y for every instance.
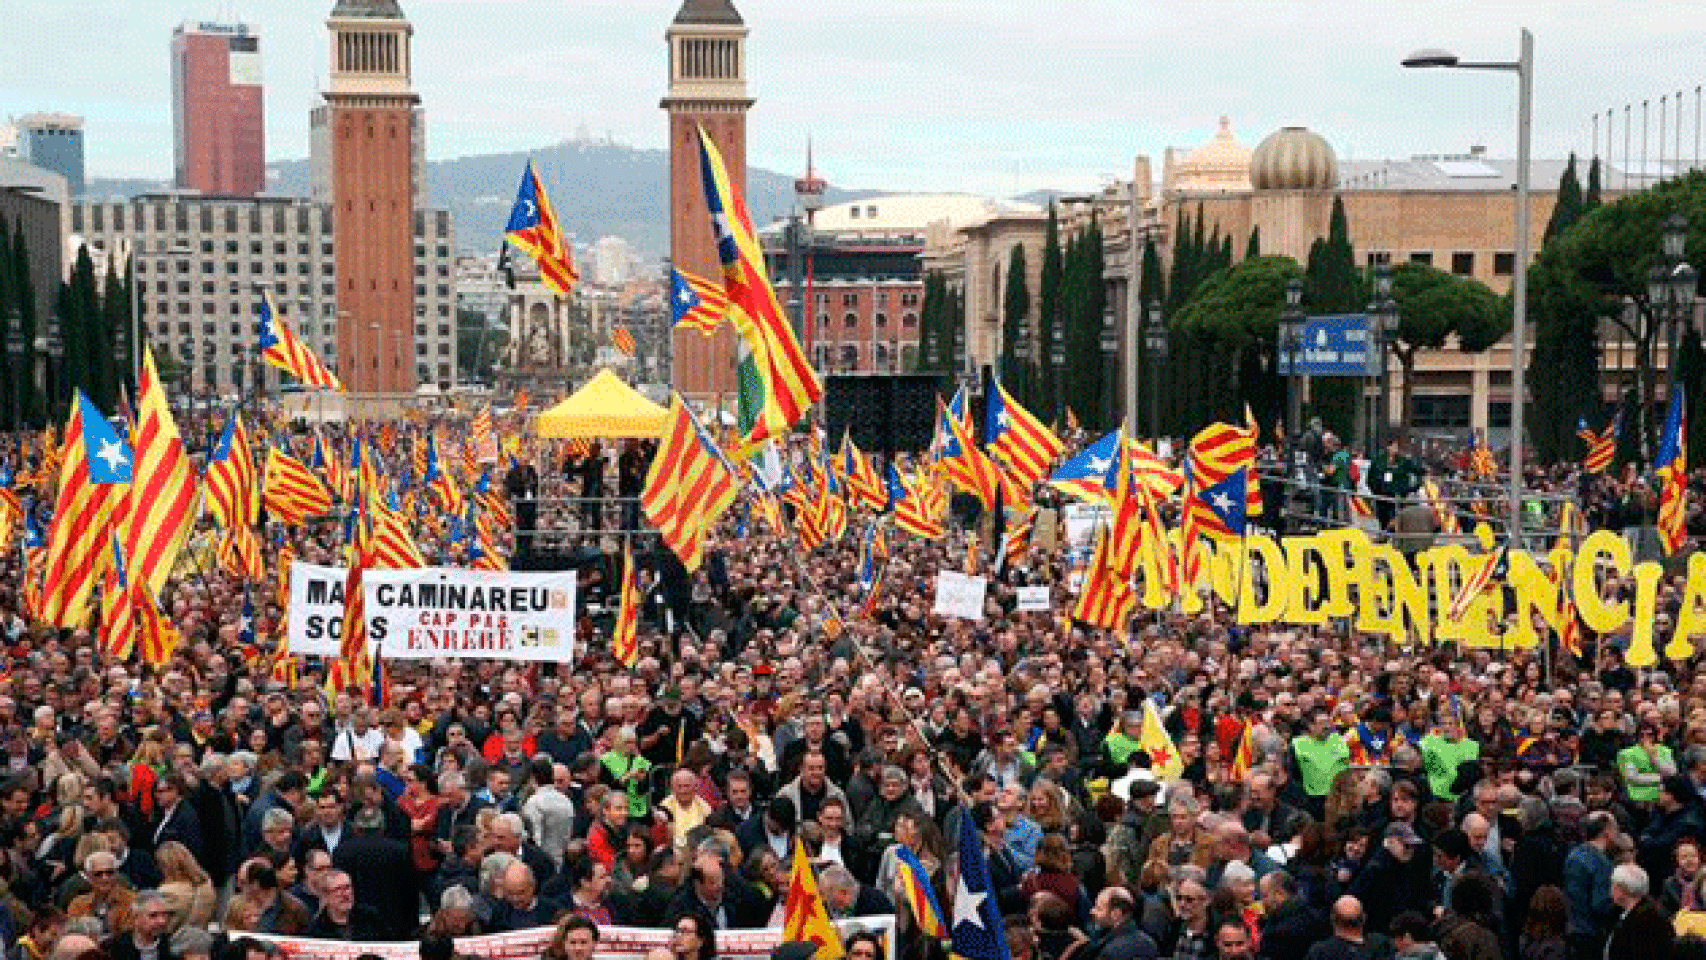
(1293, 158)
(1222, 164)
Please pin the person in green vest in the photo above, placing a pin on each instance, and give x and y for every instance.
(1392, 476)
(1320, 754)
(1123, 741)
(624, 769)
(1443, 751)
(1645, 764)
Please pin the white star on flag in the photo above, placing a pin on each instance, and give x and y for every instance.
(1222, 503)
(113, 453)
(966, 905)
(1100, 465)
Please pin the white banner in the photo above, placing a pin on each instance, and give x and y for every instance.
(1033, 598)
(1082, 519)
(438, 612)
(614, 943)
(315, 620)
(449, 612)
(958, 595)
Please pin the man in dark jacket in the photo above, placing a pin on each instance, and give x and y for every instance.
(340, 917)
(382, 873)
(1641, 929)
(1114, 916)
(1290, 926)
(147, 934)
(1398, 878)
(177, 817)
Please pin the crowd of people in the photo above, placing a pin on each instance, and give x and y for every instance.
(1336, 797)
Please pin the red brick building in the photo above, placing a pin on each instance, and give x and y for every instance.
(707, 86)
(366, 142)
(218, 113)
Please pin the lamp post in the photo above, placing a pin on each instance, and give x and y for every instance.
(1523, 67)
(14, 352)
(1110, 374)
(1022, 353)
(1155, 345)
(1671, 286)
(54, 346)
(1057, 360)
(1291, 340)
(1383, 312)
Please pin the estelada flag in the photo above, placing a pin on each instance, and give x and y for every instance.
(804, 916)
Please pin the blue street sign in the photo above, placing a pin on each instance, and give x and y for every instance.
(1333, 346)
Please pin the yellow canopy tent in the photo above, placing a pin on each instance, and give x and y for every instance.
(605, 407)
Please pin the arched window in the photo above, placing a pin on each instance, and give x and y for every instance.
(882, 320)
(851, 320)
(909, 320)
(849, 357)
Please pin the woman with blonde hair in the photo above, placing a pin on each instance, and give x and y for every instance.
(1046, 805)
(186, 886)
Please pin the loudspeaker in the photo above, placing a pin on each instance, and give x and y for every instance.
(885, 414)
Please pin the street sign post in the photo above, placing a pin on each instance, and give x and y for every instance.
(1332, 346)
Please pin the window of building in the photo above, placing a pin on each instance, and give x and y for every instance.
(1378, 257)
(256, 267)
(1437, 411)
(420, 350)
(255, 248)
(850, 321)
(1425, 257)
(209, 288)
(183, 287)
(853, 212)
(882, 320)
(1504, 264)
(443, 290)
(231, 247)
(444, 329)
(207, 268)
(1499, 414)
(849, 356)
(1463, 263)
(280, 248)
(444, 349)
(207, 246)
(850, 299)
(910, 320)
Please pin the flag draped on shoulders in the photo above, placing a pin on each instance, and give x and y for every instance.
(976, 928)
(96, 468)
(790, 384)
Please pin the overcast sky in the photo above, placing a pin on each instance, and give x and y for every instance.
(988, 96)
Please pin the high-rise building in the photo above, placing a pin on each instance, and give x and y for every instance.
(707, 87)
(199, 261)
(53, 141)
(218, 111)
(366, 139)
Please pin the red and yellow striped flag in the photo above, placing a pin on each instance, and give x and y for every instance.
(162, 503)
(95, 469)
(240, 554)
(118, 612)
(690, 484)
(290, 490)
(233, 496)
(624, 640)
(624, 340)
(282, 348)
(1106, 599)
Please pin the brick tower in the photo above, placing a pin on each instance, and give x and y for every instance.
(367, 142)
(707, 86)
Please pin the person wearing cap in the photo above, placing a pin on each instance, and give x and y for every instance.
(383, 875)
(1398, 877)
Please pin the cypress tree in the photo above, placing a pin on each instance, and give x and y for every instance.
(112, 328)
(1016, 308)
(1095, 312)
(79, 318)
(1569, 207)
(1253, 249)
(1049, 313)
(1591, 201)
(1691, 372)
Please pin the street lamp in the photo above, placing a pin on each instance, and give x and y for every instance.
(1110, 347)
(1383, 311)
(14, 351)
(1057, 360)
(1523, 67)
(1671, 287)
(1291, 348)
(1155, 345)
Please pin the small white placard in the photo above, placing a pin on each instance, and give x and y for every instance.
(1033, 598)
(958, 595)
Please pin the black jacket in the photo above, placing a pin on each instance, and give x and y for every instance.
(1643, 932)
(363, 927)
(1290, 930)
(121, 947)
(1124, 942)
(384, 880)
(181, 825)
